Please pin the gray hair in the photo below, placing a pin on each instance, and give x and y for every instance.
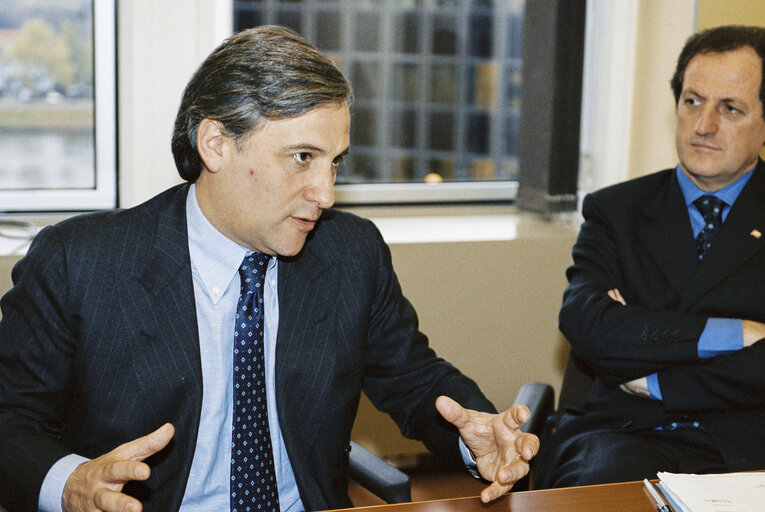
(266, 72)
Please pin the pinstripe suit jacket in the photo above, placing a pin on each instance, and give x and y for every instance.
(99, 345)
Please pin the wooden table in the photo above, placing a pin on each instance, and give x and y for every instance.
(621, 497)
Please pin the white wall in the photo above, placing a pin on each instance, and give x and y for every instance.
(627, 106)
(160, 44)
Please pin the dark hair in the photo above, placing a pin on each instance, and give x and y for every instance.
(720, 40)
(266, 72)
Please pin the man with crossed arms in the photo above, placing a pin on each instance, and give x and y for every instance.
(666, 296)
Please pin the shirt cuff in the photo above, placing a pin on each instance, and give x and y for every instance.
(467, 455)
(469, 460)
(53, 485)
(721, 336)
(653, 386)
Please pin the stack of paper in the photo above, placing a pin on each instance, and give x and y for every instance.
(729, 492)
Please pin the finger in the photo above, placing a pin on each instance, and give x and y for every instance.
(527, 446)
(517, 469)
(122, 471)
(109, 501)
(139, 449)
(452, 412)
(616, 296)
(494, 491)
(518, 415)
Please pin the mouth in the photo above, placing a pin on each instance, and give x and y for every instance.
(305, 223)
(704, 146)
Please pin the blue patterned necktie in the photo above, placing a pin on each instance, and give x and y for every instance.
(253, 478)
(711, 209)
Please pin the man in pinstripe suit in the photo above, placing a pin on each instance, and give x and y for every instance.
(115, 341)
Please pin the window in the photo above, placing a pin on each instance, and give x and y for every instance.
(57, 105)
(437, 87)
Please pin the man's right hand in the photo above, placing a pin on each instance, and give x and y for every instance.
(95, 485)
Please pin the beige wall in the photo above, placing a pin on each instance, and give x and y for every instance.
(6, 264)
(663, 28)
(490, 308)
(713, 13)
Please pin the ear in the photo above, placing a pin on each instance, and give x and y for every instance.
(210, 142)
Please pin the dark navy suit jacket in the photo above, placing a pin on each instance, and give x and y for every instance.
(637, 237)
(99, 345)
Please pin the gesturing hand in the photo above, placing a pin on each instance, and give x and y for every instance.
(501, 450)
(95, 485)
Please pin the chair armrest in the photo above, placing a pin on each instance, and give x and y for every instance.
(540, 399)
(379, 477)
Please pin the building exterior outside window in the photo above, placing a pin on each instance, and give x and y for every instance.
(437, 87)
(57, 146)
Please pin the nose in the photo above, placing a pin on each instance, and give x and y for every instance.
(707, 122)
(322, 189)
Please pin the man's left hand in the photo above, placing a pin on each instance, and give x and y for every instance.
(502, 452)
(637, 387)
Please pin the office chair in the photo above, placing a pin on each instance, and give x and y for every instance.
(378, 476)
(539, 397)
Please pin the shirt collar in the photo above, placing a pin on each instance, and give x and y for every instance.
(729, 194)
(215, 257)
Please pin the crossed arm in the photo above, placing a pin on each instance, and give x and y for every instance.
(627, 319)
(752, 332)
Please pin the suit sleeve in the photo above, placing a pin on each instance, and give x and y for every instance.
(36, 348)
(619, 343)
(725, 382)
(404, 376)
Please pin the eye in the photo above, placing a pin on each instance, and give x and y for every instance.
(302, 157)
(732, 109)
(692, 101)
(337, 162)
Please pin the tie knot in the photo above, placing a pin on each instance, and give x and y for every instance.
(710, 207)
(252, 271)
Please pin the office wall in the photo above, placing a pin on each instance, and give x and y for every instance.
(662, 30)
(6, 264)
(713, 13)
(488, 307)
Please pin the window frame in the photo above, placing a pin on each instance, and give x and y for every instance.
(104, 195)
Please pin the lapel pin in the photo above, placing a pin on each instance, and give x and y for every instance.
(755, 233)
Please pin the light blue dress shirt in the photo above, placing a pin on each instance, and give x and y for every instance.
(720, 335)
(215, 261)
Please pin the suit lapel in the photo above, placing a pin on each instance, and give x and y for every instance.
(169, 291)
(304, 360)
(668, 235)
(736, 241)
(159, 307)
